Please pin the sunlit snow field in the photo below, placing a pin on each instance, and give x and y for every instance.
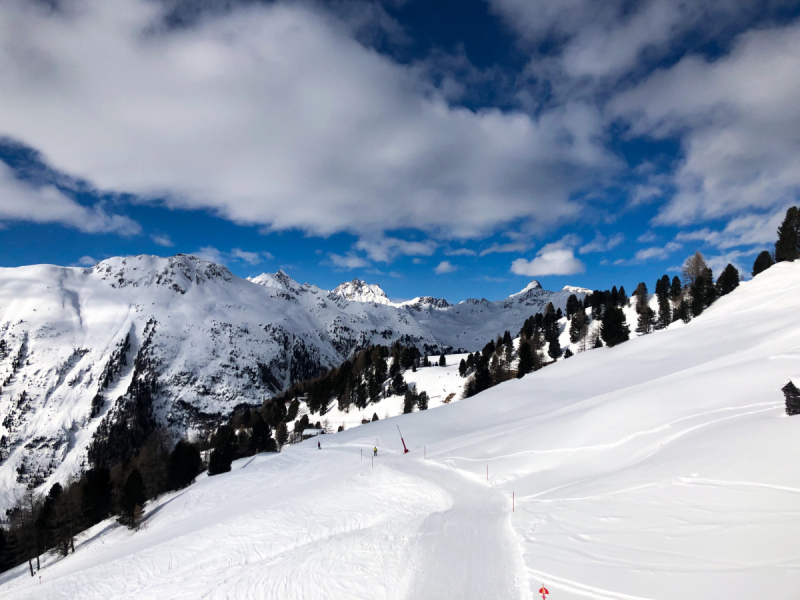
(662, 468)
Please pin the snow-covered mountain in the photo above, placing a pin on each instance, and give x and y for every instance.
(186, 340)
(660, 468)
(361, 291)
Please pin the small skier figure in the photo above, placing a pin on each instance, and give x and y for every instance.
(318, 446)
(375, 451)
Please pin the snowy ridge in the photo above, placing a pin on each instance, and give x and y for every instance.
(655, 469)
(215, 341)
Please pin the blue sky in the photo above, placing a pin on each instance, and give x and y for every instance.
(448, 148)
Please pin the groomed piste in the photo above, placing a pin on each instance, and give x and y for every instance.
(663, 468)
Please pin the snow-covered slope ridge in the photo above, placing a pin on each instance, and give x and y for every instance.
(662, 468)
(69, 338)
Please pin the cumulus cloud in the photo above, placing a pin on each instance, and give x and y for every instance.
(444, 267)
(656, 252)
(386, 249)
(212, 254)
(461, 252)
(86, 261)
(600, 243)
(23, 201)
(162, 240)
(557, 258)
(518, 246)
(740, 121)
(274, 114)
(347, 261)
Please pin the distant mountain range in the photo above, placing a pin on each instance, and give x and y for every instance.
(75, 343)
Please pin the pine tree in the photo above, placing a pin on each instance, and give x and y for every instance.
(641, 297)
(728, 280)
(762, 263)
(482, 377)
(133, 495)
(422, 401)
(788, 245)
(462, 368)
(96, 495)
(281, 434)
(224, 451)
(525, 364)
(646, 321)
(374, 417)
(442, 360)
(554, 349)
(614, 329)
(567, 353)
(184, 465)
(409, 402)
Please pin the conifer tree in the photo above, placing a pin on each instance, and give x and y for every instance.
(462, 368)
(728, 280)
(96, 495)
(647, 321)
(133, 495)
(442, 360)
(762, 263)
(641, 296)
(623, 298)
(422, 401)
(614, 328)
(525, 365)
(554, 349)
(281, 434)
(567, 353)
(184, 465)
(788, 245)
(224, 450)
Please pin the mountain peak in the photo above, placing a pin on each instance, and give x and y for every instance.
(360, 291)
(533, 285)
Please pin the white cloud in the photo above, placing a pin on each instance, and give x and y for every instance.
(739, 116)
(23, 201)
(509, 247)
(747, 230)
(647, 237)
(656, 252)
(348, 261)
(87, 261)
(252, 258)
(602, 244)
(386, 249)
(212, 254)
(274, 114)
(556, 258)
(461, 252)
(162, 240)
(444, 267)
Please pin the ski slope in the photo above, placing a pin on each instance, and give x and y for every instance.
(663, 468)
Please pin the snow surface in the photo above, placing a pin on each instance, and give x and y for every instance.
(662, 468)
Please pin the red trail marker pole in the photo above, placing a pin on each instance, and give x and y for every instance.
(543, 591)
(405, 450)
